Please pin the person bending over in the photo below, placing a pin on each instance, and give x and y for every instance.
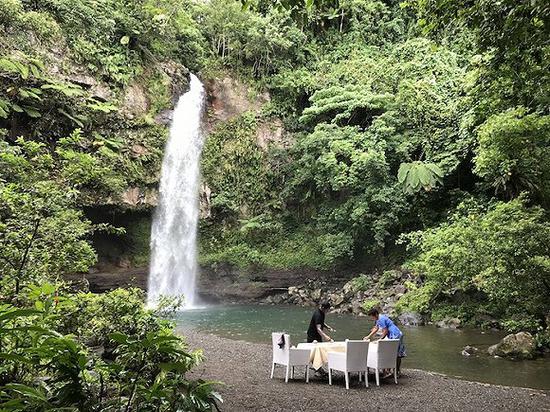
(317, 325)
(388, 329)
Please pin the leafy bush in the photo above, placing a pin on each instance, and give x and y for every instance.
(499, 254)
(288, 249)
(360, 283)
(418, 175)
(388, 277)
(370, 304)
(344, 175)
(134, 361)
(514, 153)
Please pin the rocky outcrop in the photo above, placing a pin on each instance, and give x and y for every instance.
(520, 345)
(205, 207)
(411, 319)
(449, 323)
(226, 283)
(135, 102)
(139, 198)
(271, 133)
(178, 76)
(354, 297)
(229, 97)
(97, 90)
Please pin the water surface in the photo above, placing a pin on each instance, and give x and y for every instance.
(428, 348)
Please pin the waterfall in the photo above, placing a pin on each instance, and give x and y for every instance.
(173, 269)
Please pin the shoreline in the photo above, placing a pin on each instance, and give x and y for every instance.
(244, 368)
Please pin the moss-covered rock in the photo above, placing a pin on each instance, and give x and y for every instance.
(520, 345)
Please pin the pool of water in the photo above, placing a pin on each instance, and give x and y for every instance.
(428, 348)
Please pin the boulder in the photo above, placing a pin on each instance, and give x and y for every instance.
(316, 294)
(277, 299)
(348, 288)
(520, 345)
(337, 299)
(469, 350)
(138, 150)
(101, 92)
(449, 323)
(400, 289)
(357, 308)
(411, 319)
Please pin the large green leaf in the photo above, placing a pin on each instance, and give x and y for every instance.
(27, 391)
(18, 313)
(419, 175)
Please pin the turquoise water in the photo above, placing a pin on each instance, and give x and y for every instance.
(428, 348)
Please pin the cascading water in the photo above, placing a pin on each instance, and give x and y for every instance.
(173, 269)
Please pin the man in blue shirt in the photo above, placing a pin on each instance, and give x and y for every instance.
(388, 329)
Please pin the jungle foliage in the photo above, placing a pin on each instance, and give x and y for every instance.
(80, 85)
(422, 122)
(425, 117)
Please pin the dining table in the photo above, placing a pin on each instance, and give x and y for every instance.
(320, 350)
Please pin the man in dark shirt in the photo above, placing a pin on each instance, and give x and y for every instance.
(317, 324)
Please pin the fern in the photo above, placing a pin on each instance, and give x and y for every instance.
(68, 89)
(419, 175)
(33, 67)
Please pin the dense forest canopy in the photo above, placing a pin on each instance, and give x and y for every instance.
(416, 134)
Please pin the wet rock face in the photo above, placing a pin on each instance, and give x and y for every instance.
(520, 345)
(228, 97)
(205, 207)
(136, 197)
(225, 283)
(164, 117)
(135, 103)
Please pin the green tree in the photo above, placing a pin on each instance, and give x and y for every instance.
(42, 232)
(497, 255)
(514, 153)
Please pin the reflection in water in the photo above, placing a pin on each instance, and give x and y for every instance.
(428, 348)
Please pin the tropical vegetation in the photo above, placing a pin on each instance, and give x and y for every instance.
(415, 134)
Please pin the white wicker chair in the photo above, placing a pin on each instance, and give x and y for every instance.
(354, 360)
(383, 355)
(288, 356)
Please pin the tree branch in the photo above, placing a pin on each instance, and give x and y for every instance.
(26, 255)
